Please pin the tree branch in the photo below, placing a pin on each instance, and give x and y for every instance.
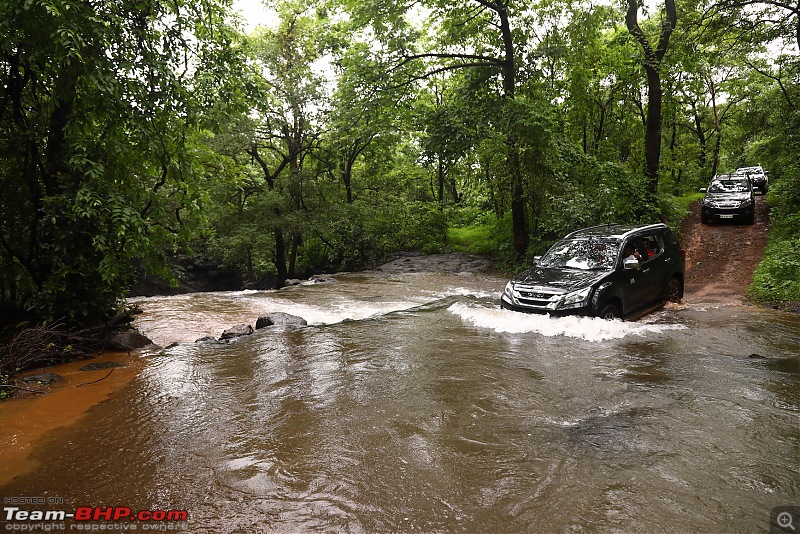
(446, 68)
(475, 57)
(777, 79)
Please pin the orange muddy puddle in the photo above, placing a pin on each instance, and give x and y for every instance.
(25, 421)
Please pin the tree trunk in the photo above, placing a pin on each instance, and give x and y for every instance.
(56, 157)
(251, 274)
(652, 131)
(652, 66)
(280, 244)
(296, 241)
(701, 138)
(519, 222)
(440, 173)
(348, 188)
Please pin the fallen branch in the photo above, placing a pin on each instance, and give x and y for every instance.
(95, 381)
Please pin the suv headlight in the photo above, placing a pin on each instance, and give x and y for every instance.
(746, 203)
(575, 299)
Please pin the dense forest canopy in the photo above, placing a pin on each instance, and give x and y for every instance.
(132, 131)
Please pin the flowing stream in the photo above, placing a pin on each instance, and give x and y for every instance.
(413, 403)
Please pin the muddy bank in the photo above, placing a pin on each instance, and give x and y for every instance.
(32, 416)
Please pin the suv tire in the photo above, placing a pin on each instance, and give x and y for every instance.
(610, 312)
(674, 291)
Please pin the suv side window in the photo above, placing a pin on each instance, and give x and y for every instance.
(630, 244)
(651, 246)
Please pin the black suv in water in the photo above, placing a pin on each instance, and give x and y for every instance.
(728, 197)
(610, 271)
(758, 177)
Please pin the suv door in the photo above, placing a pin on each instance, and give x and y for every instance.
(638, 285)
(654, 266)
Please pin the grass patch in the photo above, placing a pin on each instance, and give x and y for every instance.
(475, 239)
(776, 280)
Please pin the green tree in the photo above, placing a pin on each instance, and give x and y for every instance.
(363, 110)
(290, 97)
(101, 108)
(652, 63)
(480, 34)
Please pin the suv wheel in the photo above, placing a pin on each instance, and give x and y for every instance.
(610, 312)
(674, 290)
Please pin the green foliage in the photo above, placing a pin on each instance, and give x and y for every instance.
(777, 278)
(483, 234)
(675, 209)
(99, 150)
(595, 193)
(357, 235)
(478, 239)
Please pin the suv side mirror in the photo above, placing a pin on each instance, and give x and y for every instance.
(631, 264)
(703, 189)
(536, 260)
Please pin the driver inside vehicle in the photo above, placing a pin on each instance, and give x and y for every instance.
(631, 254)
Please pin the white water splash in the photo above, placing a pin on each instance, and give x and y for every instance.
(465, 292)
(587, 328)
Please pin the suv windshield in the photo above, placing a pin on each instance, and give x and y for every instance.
(586, 254)
(737, 185)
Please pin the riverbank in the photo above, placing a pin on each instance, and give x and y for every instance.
(39, 408)
(453, 262)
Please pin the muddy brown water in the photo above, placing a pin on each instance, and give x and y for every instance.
(412, 403)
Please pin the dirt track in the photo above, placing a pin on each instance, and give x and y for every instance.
(721, 258)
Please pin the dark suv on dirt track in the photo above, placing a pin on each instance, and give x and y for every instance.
(589, 272)
(728, 197)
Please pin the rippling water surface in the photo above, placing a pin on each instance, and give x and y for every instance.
(413, 403)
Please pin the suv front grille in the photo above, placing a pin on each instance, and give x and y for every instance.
(535, 297)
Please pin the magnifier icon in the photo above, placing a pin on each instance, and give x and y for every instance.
(785, 521)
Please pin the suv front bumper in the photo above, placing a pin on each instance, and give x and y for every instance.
(723, 214)
(586, 310)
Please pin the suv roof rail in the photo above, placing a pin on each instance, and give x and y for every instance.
(628, 228)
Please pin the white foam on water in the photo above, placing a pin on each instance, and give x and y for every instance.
(466, 292)
(587, 328)
(333, 311)
(342, 308)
